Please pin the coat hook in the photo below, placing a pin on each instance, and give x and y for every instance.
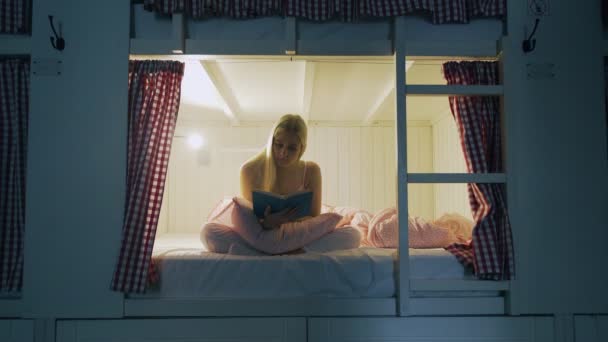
(57, 42)
(529, 44)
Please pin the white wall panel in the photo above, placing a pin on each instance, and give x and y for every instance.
(444, 329)
(77, 160)
(420, 159)
(201, 330)
(448, 158)
(591, 328)
(16, 330)
(357, 163)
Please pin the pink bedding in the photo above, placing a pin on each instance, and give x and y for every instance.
(232, 225)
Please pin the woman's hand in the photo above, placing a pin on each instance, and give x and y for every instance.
(274, 221)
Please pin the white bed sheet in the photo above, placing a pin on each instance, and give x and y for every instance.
(187, 270)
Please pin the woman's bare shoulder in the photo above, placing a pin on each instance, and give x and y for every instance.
(313, 167)
(250, 167)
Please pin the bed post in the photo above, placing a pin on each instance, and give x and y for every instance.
(291, 36)
(178, 35)
(403, 265)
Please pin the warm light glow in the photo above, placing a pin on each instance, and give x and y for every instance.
(195, 141)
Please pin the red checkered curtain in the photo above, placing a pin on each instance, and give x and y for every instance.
(14, 109)
(478, 119)
(154, 94)
(441, 11)
(15, 16)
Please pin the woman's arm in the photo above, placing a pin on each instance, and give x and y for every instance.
(315, 184)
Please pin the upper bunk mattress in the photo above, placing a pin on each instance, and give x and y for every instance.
(187, 270)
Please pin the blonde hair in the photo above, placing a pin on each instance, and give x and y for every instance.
(291, 123)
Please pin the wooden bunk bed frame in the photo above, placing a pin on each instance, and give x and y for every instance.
(152, 34)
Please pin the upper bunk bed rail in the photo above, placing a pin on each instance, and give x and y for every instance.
(152, 33)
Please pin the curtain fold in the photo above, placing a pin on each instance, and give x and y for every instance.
(14, 110)
(478, 120)
(15, 16)
(154, 94)
(441, 11)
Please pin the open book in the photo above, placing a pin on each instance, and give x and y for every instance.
(301, 200)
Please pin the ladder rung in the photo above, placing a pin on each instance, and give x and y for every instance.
(456, 178)
(443, 90)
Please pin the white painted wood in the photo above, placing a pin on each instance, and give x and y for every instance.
(11, 307)
(430, 48)
(346, 47)
(550, 148)
(307, 94)
(372, 113)
(76, 167)
(44, 329)
(235, 47)
(448, 158)
(591, 328)
(447, 150)
(140, 46)
(451, 90)
(457, 285)
(231, 105)
(144, 307)
(512, 104)
(564, 327)
(353, 47)
(421, 199)
(193, 329)
(403, 265)
(457, 178)
(291, 35)
(178, 33)
(15, 45)
(410, 329)
(457, 306)
(20, 330)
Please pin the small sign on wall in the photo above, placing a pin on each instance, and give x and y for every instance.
(46, 67)
(540, 71)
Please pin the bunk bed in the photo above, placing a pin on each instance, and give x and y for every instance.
(154, 33)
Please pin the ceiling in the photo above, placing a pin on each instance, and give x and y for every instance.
(349, 89)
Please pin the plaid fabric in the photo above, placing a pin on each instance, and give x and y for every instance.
(15, 16)
(154, 94)
(441, 11)
(14, 109)
(214, 8)
(478, 121)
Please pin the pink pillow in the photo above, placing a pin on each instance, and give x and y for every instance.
(239, 216)
(384, 228)
(357, 218)
(460, 226)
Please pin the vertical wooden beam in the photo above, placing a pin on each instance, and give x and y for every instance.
(178, 34)
(512, 78)
(403, 269)
(290, 36)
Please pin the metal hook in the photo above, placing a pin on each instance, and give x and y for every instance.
(529, 44)
(57, 42)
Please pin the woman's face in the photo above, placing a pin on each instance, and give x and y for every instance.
(286, 148)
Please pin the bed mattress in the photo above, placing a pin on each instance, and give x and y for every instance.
(188, 270)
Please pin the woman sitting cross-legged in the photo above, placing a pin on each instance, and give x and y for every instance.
(279, 169)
